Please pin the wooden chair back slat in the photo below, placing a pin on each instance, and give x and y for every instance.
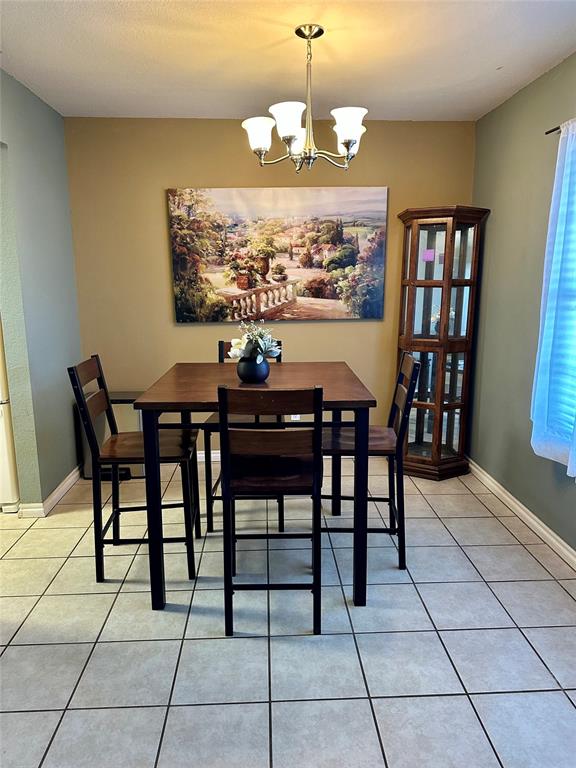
(93, 404)
(403, 397)
(225, 346)
(407, 365)
(88, 371)
(265, 402)
(400, 396)
(97, 404)
(276, 450)
(270, 442)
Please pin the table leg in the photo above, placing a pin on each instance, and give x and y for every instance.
(154, 509)
(360, 505)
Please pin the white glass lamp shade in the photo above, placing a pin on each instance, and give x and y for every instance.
(298, 143)
(288, 116)
(259, 130)
(349, 122)
(354, 148)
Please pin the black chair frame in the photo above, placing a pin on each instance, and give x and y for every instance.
(90, 406)
(231, 536)
(398, 419)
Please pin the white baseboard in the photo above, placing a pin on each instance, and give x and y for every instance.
(10, 509)
(527, 516)
(35, 509)
(41, 509)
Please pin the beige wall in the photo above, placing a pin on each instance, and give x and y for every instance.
(119, 170)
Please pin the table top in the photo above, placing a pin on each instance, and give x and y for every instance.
(194, 386)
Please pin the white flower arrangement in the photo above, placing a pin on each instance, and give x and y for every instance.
(256, 342)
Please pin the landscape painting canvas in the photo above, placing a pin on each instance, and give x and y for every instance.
(279, 253)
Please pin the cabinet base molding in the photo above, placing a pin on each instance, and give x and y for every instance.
(437, 471)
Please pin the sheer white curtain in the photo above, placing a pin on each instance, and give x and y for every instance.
(554, 393)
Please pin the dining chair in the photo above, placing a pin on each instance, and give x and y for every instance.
(388, 441)
(212, 426)
(264, 461)
(120, 448)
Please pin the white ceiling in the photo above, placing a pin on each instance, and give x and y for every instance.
(405, 60)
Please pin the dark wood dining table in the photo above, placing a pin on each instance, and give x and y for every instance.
(189, 388)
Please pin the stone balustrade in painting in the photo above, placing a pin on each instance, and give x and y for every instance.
(263, 302)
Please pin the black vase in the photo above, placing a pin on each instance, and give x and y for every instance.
(251, 372)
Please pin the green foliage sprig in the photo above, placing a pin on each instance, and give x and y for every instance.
(256, 342)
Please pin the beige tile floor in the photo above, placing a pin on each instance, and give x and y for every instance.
(466, 660)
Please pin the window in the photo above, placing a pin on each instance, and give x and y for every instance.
(554, 393)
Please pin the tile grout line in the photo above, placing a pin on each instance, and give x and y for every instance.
(516, 625)
(40, 596)
(304, 634)
(84, 666)
(459, 695)
(22, 532)
(360, 662)
(75, 687)
(457, 673)
(182, 641)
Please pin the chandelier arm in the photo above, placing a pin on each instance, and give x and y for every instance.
(326, 154)
(343, 165)
(276, 160)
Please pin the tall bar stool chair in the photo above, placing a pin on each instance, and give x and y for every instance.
(176, 446)
(385, 441)
(264, 461)
(212, 426)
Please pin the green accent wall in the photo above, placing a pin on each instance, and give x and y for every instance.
(38, 292)
(514, 174)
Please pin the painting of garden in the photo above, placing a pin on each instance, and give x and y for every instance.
(279, 253)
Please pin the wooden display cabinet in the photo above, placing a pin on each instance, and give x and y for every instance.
(439, 284)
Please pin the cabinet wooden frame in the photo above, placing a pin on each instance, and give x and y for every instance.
(441, 463)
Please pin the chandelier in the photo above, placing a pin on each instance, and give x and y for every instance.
(299, 141)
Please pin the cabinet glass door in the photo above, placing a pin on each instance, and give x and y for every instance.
(421, 432)
(426, 385)
(427, 307)
(451, 424)
(459, 310)
(431, 251)
(454, 378)
(463, 251)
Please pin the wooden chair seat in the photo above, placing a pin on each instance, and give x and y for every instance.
(339, 441)
(176, 445)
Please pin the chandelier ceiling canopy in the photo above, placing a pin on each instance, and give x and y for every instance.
(299, 140)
